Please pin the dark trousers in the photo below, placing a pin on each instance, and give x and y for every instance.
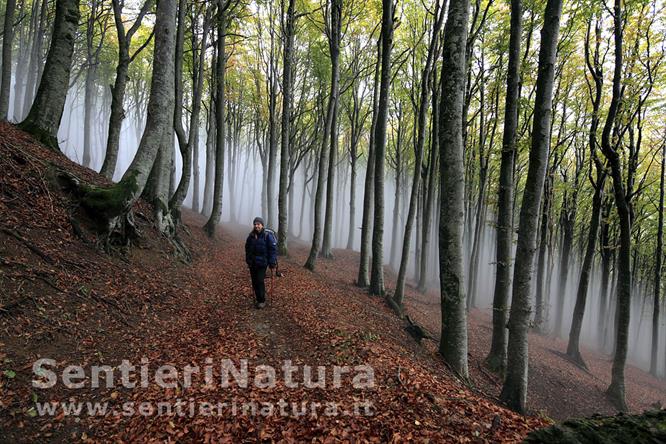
(258, 275)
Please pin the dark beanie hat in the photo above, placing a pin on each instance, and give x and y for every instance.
(258, 220)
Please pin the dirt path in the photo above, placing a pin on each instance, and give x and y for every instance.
(312, 320)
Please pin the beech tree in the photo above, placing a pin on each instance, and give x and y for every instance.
(453, 342)
(43, 120)
(288, 48)
(379, 149)
(7, 42)
(118, 91)
(496, 358)
(514, 389)
(220, 122)
(595, 69)
(333, 30)
(425, 85)
(113, 204)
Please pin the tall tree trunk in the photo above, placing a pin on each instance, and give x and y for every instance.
(118, 90)
(196, 174)
(453, 342)
(335, 29)
(496, 358)
(352, 193)
(398, 190)
(567, 226)
(377, 269)
(429, 197)
(363, 279)
(188, 144)
(438, 19)
(7, 46)
(479, 221)
(220, 122)
(573, 349)
(326, 246)
(209, 173)
(272, 129)
(36, 53)
(658, 269)
(514, 390)
(334, 33)
(285, 152)
(91, 77)
(88, 105)
(114, 202)
(22, 61)
(45, 114)
(594, 67)
(118, 97)
(607, 253)
(616, 389)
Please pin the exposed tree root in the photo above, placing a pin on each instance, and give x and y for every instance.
(28, 244)
(167, 224)
(112, 215)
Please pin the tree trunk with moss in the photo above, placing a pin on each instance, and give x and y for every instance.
(45, 114)
(111, 203)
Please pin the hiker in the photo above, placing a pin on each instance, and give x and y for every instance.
(260, 252)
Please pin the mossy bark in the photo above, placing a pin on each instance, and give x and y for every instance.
(45, 114)
(650, 427)
(111, 202)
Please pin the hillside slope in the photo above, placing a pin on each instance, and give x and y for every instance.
(63, 298)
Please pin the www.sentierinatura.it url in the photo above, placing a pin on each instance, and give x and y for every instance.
(193, 408)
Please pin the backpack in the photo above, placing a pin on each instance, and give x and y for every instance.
(274, 234)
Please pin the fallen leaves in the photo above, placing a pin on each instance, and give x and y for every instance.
(146, 305)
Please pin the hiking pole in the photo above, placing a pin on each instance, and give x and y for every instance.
(270, 292)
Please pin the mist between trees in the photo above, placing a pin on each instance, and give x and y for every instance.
(445, 140)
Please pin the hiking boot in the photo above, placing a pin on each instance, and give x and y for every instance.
(261, 305)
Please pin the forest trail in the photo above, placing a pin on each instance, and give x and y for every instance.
(65, 299)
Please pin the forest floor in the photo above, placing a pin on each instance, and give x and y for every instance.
(558, 388)
(63, 298)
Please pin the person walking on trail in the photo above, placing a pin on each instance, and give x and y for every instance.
(260, 252)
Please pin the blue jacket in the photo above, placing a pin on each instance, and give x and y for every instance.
(261, 249)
